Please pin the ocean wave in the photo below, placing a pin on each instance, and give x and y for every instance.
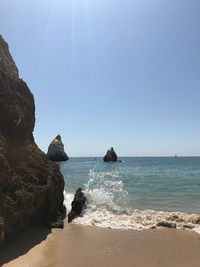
(107, 207)
(135, 219)
(140, 220)
(104, 190)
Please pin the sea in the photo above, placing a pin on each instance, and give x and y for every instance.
(137, 192)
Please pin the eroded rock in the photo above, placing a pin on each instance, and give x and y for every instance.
(56, 150)
(110, 156)
(78, 205)
(31, 186)
(7, 64)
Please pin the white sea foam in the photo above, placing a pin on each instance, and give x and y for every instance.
(104, 191)
(107, 207)
(140, 220)
(68, 198)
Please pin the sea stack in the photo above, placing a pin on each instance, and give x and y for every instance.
(110, 156)
(56, 150)
(31, 186)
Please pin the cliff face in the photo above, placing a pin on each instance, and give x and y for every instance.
(6, 62)
(31, 187)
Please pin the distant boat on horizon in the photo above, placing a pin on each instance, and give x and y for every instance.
(176, 156)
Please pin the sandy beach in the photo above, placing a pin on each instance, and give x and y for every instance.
(82, 246)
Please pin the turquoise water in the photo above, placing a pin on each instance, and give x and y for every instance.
(157, 183)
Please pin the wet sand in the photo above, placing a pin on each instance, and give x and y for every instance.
(82, 246)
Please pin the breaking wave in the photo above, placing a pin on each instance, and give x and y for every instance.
(107, 206)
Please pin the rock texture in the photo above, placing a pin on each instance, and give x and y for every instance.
(78, 205)
(110, 155)
(6, 61)
(31, 186)
(56, 150)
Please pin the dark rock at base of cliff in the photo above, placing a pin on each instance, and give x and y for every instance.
(58, 223)
(110, 156)
(78, 205)
(56, 150)
(31, 186)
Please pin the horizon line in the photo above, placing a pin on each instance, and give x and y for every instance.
(152, 156)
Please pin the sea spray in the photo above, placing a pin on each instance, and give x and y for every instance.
(104, 191)
(124, 195)
(68, 198)
(98, 215)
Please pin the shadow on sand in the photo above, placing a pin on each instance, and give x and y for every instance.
(17, 247)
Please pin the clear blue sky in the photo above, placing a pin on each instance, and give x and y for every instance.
(121, 73)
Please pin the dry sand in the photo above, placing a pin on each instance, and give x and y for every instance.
(82, 246)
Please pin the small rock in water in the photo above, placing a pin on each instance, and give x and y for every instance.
(78, 204)
(110, 155)
(166, 224)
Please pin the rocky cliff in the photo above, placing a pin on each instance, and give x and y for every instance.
(6, 61)
(31, 187)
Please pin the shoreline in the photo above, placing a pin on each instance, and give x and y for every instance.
(86, 246)
(135, 219)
